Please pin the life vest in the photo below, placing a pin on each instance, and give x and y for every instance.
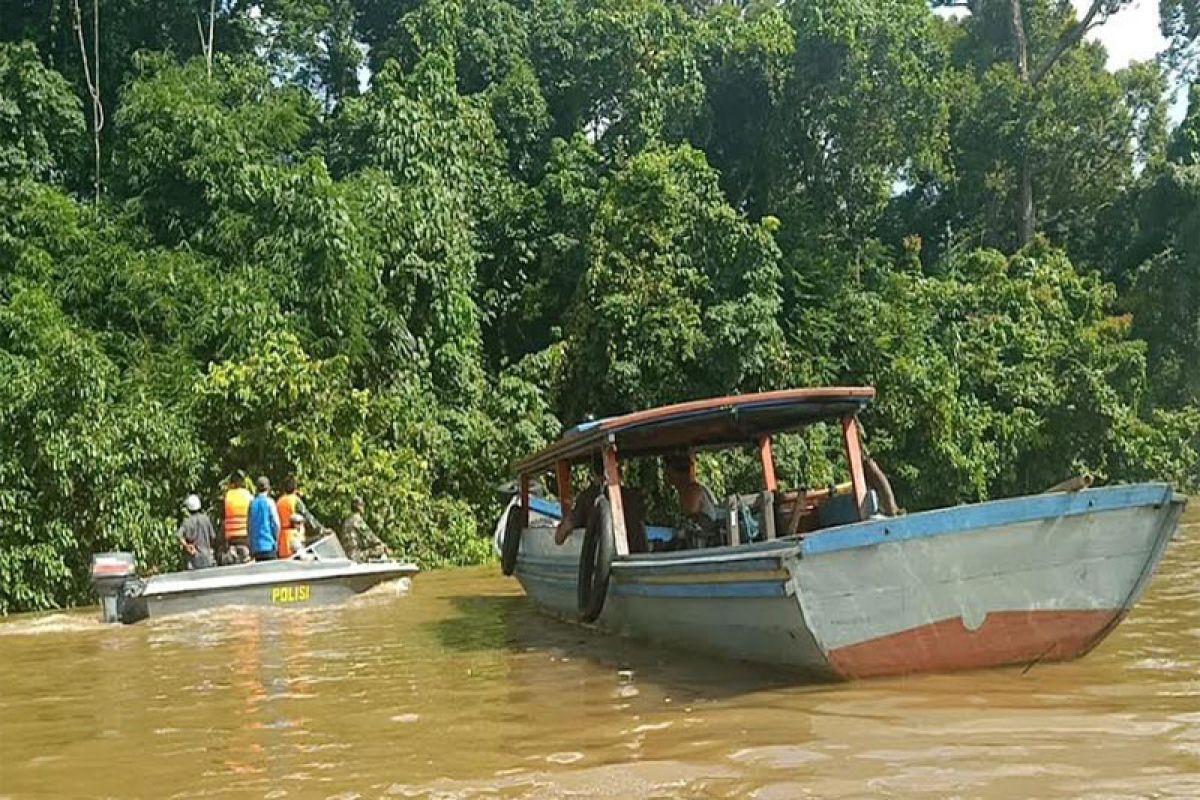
(286, 505)
(237, 510)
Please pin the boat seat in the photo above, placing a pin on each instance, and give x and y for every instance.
(841, 510)
(752, 517)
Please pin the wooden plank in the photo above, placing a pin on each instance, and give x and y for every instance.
(612, 480)
(798, 396)
(768, 513)
(858, 480)
(768, 463)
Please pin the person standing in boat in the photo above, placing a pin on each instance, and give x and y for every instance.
(196, 535)
(359, 541)
(264, 523)
(289, 506)
(235, 522)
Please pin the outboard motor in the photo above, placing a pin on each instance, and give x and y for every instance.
(110, 574)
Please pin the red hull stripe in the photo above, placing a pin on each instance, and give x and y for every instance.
(1005, 637)
(109, 569)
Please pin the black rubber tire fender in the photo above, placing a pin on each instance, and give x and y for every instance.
(595, 560)
(511, 545)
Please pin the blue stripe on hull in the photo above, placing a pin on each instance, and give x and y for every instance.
(982, 516)
(689, 562)
(713, 590)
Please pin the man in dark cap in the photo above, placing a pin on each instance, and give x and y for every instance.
(359, 541)
(196, 535)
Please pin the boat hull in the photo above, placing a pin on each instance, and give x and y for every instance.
(1019, 581)
(281, 584)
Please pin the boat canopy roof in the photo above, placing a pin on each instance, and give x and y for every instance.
(716, 422)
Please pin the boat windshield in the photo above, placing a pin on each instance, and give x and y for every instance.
(327, 548)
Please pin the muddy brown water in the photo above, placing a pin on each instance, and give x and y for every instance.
(459, 689)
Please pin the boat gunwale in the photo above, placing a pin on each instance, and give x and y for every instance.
(947, 521)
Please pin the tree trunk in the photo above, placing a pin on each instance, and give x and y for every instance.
(1025, 204)
(97, 108)
(91, 76)
(1025, 212)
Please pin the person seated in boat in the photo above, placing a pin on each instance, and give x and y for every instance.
(581, 506)
(585, 502)
(704, 516)
(358, 540)
(196, 535)
(297, 537)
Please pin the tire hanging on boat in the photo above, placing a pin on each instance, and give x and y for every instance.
(595, 560)
(511, 545)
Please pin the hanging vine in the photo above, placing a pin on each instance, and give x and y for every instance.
(91, 76)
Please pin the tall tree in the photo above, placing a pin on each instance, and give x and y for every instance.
(680, 298)
(1163, 260)
(1179, 21)
(41, 127)
(1039, 142)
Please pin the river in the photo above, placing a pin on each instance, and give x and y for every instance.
(459, 689)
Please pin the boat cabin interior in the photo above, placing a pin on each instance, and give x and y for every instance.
(676, 434)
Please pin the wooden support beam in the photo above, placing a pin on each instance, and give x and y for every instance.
(858, 480)
(767, 504)
(612, 480)
(562, 476)
(524, 501)
(768, 464)
(735, 528)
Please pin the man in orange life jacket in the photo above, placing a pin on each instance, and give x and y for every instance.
(291, 505)
(235, 524)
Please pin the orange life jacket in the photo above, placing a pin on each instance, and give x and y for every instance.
(286, 505)
(237, 509)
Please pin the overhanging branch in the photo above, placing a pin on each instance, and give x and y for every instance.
(1070, 38)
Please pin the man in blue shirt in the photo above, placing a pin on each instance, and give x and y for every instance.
(264, 523)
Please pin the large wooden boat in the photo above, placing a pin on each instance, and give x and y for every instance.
(830, 594)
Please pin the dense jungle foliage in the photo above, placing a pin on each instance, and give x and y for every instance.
(390, 245)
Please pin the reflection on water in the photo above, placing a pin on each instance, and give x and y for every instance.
(459, 689)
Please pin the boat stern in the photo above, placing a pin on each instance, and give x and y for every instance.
(117, 586)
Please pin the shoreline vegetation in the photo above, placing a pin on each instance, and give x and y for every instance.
(390, 247)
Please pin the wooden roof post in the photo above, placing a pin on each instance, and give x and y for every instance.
(858, 480)
(612, 480)
(524, 500)
(768, 463)
(562, 476)
(770, 486)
